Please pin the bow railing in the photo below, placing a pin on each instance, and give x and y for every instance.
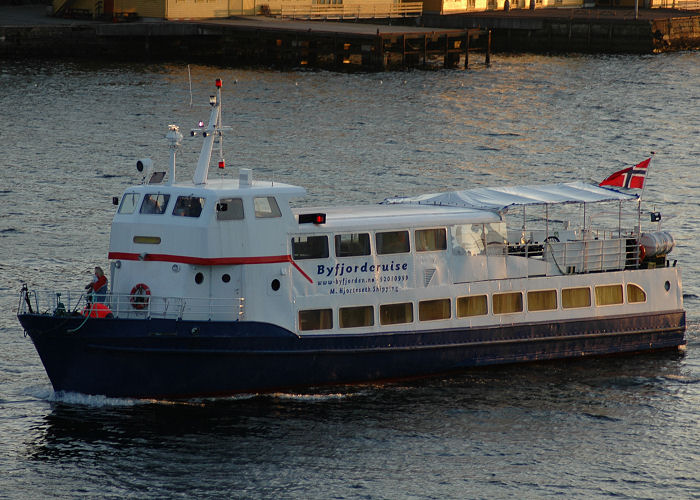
(115, 305)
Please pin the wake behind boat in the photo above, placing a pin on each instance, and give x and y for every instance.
(220, 287)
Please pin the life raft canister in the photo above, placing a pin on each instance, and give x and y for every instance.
(140, 296)
(97, 310)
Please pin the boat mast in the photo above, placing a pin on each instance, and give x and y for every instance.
(174, 138)
(213, 129)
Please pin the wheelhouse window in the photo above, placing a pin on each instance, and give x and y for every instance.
(129, 203)
(394, 314)
(316, 319)
(353, 317)
(352, 244)
(188, 206)
(431, 310)
(154, 203)
(607, 295)
(504, 303)
(575, 297)
(393, 242)
(474, 305)
(541, 300)
(309, 247)
(266, 207)
(428, 240)
(635, 293)
(229, 209)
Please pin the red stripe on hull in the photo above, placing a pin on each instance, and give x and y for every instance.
(208, 261)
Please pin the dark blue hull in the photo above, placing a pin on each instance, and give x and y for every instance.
(159, 358)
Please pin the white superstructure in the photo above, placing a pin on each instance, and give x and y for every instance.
(235, 250)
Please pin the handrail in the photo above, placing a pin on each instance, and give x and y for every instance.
(366, 10)
(60, 303)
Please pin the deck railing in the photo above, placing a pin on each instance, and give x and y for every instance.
(132, 306)
(586, 256)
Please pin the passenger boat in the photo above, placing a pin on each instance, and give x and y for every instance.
(220, 287)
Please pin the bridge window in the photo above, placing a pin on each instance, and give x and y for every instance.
(474, 305)
(154, 204)
(431, 310)
(229, 209)
(607, 295)
(266, 207)
(575, 297)
(129, 202)
(541, 300)
(431, 239)
(310, 247)
(352, 317)
(349, 245)
(393, 314)
(635, 293)
(393, 242)
(510, 302)
(188, 206)
(316, 319)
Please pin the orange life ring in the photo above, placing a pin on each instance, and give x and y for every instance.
(139, 296)
(642, 253)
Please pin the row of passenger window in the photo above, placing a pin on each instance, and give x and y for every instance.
(469, 306)
(357, 244)
(191, 206)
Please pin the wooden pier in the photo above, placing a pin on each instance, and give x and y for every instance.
(347, 46)
(255, 41)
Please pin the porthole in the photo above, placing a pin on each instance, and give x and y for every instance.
(198, 278)
(226, 278)
(667, 286)
(275, 284)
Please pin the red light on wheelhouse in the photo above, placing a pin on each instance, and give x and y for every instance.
(312, 218)
(218, 83)
(222, 164)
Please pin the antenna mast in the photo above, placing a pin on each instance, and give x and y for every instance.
(213, 129)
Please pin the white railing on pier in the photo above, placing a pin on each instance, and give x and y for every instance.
(676, 4)
(364, 10)
(133, 306)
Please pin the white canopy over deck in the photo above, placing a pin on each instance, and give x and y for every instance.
(499, 199)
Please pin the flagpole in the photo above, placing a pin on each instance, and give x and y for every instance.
(639, 202)
(644, 184)
(619, 219)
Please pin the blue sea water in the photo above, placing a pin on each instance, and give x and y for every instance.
(624, 427)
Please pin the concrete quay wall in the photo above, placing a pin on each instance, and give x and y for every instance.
(590, 33)
(156, 41)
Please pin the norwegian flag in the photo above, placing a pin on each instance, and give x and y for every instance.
(631, 177)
